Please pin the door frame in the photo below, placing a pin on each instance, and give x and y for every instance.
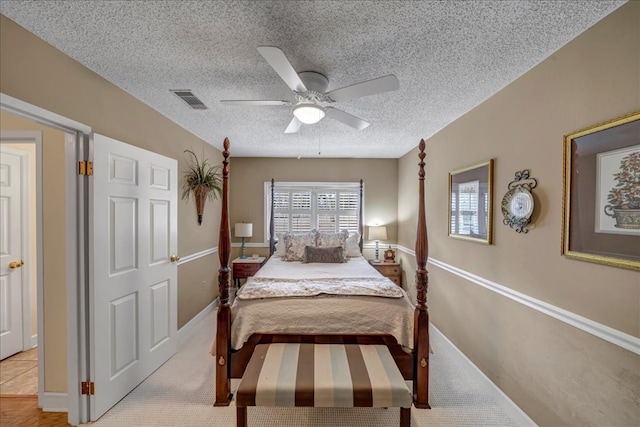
(28, 137)
(76, 147)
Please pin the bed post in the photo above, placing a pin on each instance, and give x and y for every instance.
(421, 315)
(223, 333)
(361, 223)
(272, 225)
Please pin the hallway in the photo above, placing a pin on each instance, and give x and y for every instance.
(19, 393)
(19, 374)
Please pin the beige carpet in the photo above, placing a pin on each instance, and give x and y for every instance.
(181, 393)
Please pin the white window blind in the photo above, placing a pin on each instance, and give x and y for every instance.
(469, 209)
(328, 207)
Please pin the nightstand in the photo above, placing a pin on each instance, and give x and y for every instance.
(391, 270)
(246, 267)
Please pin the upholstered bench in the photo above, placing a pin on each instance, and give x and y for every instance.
(323, 375)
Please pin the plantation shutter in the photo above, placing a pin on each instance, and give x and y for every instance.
(300, 211)
(326, 210)
(467, 215)
(320, 207)
(348, 208)
(282, 212)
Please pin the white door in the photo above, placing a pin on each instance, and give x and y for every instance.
(11, 175)
(134, 290)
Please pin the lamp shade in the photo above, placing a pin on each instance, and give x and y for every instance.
(378, 233)
(244, 230)
(308, 113)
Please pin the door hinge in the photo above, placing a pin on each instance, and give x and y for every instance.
(85, 168)
(87, 387)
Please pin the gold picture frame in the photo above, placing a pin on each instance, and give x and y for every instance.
(471, 202)
(601, 201)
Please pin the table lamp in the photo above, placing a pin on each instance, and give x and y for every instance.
(377, 233)
(244, 230)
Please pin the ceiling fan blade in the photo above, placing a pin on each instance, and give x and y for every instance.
(256, 102)
(294, 125)
(346, 118)
(370, 87)
(275, 57)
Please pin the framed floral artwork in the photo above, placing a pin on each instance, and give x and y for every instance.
(601, 192)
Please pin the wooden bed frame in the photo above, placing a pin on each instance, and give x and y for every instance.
(232, 363)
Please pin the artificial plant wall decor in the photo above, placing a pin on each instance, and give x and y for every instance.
(203, 180)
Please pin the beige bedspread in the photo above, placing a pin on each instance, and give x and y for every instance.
(323, 313)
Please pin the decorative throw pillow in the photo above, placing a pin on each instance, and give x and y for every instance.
(331, 240)
(353, 248)
(326, 255)
(294, 244)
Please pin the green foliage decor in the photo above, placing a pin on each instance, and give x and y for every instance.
(203, 180)
(626, 194)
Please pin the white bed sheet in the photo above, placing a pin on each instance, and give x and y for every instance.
(355, 267)
(324, 314)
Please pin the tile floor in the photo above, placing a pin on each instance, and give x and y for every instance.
(19, 374)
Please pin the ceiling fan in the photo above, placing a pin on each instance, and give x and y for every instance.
(310, 91)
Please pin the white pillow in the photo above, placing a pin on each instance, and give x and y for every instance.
(352, 245)
(280, 247)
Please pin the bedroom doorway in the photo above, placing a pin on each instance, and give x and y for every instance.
(59, 148)
(19, 263)
(13, 179)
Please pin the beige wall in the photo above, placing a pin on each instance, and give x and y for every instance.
(558, 374)
(249, 174)
(35, 72)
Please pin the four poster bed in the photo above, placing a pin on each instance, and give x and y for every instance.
(344, 302)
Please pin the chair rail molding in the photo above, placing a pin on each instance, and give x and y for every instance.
(197, 255)
(614, 336)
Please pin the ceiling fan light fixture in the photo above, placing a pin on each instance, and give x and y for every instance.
(308, 113)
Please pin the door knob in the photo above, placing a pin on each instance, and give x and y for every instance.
(16, 264)
(174, 258)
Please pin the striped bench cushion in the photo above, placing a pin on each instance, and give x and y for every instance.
(323, 375)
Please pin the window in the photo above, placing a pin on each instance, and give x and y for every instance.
(300, 207)
(465, 217)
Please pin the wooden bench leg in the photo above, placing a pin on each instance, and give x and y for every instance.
(405, 417)
(241, 417)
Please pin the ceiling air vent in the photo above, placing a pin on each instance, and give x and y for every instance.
(187, 96)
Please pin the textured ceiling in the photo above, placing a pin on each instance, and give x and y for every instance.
(449, 56)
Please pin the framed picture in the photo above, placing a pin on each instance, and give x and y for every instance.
(601, 192)
(470, 202)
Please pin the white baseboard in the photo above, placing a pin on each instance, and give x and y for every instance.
(517, 415)
(183, 332)
(53, 402)
(34, 341)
